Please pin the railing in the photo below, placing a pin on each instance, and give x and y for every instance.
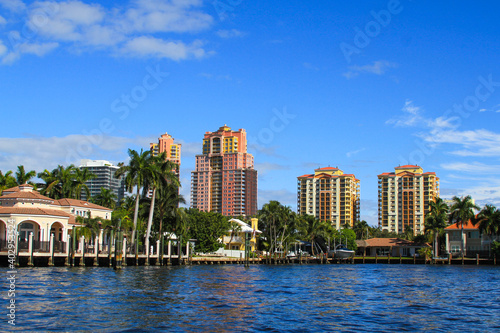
(4, 245)
(59, 247)
(23, 246)
(41, 246)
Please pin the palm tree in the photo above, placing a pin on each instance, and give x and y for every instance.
(106, 198)
(79, 184)
(159, 174)
(361, 229)
(6, 181)
(277, 224)
(59, 183)
(489, 221)
(168, 202)
(462, 211)
(23, 177)
(314, 228)
(435, 220)
(136, 172)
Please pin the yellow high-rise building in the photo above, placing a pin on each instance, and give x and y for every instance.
(329, 195)
(404, 196)
(166, 144)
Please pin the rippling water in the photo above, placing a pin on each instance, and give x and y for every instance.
(291, 298)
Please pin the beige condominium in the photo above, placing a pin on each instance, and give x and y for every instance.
(404, 196)
(329, 195)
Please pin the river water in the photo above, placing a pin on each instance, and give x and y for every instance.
(232, 298)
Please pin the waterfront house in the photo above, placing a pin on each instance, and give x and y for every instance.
(234, 242)
(384, 246)
(474, 242)
(30, 212)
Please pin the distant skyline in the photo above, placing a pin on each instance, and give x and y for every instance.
(363, 86)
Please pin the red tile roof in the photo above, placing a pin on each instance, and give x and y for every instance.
(306, 176)
(36, 211)
(457, 226)
(407, 166)
(26, 195)
(326, 168)
(79, 203)
(388, 242)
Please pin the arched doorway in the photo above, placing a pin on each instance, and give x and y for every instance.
(56, 229)
(27, 227)
(3, 235)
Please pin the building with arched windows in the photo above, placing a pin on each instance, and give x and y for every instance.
(27, 211)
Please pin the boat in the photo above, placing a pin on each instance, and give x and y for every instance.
(342, 252)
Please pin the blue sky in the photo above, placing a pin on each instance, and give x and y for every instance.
(362, 86)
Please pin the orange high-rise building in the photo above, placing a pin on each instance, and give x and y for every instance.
(224, 180)
(166, 144)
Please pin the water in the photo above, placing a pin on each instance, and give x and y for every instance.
(231, 298)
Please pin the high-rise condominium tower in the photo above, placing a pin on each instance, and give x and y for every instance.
(404, 196)
(329, 195)
(224, 180)
(166, 144)
(105, 172)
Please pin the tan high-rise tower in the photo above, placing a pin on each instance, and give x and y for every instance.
(404, 196)
(224, 180)
(329, 195)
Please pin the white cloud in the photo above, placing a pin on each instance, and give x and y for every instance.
(310, 66)
(3, 48)
(37, 49)
(2, 21)
(41, 153)
(479, 142)
(137, 28)
(13, 5)
(229, 33)
(377, 68)
(266, 167)
(166, 16)
(351, 153)
(284, 196)
(411, 116)
(150, 46)
(474, 167)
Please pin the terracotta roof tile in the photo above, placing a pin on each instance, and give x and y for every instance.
(79, 203)
(457, 226)
(26, 195)
(388, 242)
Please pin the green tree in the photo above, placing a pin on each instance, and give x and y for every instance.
(278, 226)
(348, 237)
(58, 183)
(136, 172)
(207, 228)
(361, 229)
(313, 229)
(462, 211)
(106, 198)
(6, 181)
(488, 220)
(79, 182)
(23, 177)
(168, 202)
(160, 174)
(435, 221)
